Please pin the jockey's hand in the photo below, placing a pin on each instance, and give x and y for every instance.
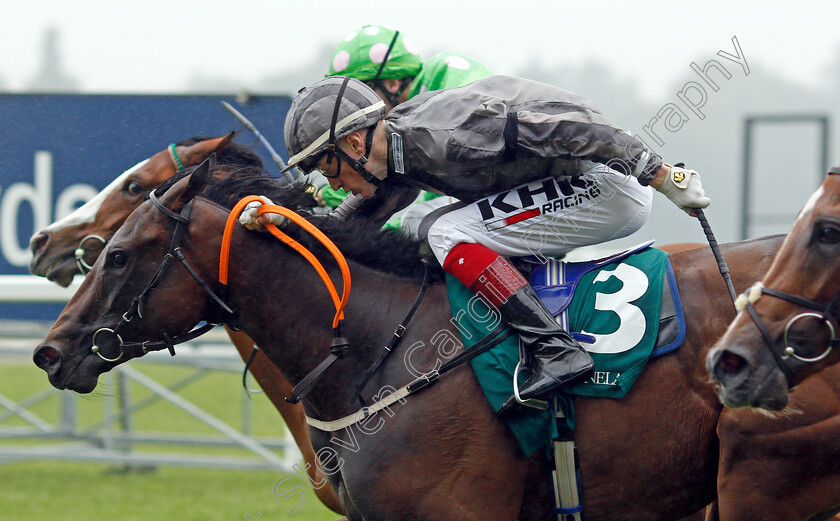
(250, 218)
(683, 187)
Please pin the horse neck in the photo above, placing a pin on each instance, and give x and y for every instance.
(286, 309)
(707, 305)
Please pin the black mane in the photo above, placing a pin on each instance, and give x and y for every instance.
(358, 239)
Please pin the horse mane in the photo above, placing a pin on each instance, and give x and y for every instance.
(359, 239)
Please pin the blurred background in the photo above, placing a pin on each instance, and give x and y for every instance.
(89, 88)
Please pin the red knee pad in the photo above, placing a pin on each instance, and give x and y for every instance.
(484, 271)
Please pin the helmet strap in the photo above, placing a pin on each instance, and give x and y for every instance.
(387, 55)
(359, 164)
(331, 148)
(393, 98)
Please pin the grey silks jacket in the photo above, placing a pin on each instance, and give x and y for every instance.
(499, 132)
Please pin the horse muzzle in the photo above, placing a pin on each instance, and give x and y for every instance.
(63, 374)
(743, 383)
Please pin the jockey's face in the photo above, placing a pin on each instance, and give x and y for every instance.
(342, 175)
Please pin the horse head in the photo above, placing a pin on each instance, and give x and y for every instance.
(788, 323)
(127, 304)
(71, 245)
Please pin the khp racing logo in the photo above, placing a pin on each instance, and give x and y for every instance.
(538, 198)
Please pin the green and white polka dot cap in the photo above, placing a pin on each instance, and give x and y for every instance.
(447, 70)
(360, 54)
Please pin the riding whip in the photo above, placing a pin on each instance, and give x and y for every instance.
(295, 173)
(710, 236)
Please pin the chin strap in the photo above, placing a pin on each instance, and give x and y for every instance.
(359, 164)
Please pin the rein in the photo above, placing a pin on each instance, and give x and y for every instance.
(339, 345)
(111, 339)
(784, 355)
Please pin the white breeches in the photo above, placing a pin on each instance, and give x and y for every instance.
(548, 217)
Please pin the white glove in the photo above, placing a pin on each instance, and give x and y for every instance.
(248, 217)
(683, 187)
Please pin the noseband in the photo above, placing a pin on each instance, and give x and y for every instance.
(109, 339)
(788, 360)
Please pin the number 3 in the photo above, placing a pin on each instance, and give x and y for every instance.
(632, 324)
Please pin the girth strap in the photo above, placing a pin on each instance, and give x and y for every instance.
(500, 334)
(337, 349)
(395, 339)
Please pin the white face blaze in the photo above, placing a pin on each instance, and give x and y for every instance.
(87, 212)
(812, 201)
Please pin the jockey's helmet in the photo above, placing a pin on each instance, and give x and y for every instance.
(375, 52)
(324, 113)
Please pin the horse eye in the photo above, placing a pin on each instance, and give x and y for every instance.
(134, 188)
(118, 259)
(828, 234)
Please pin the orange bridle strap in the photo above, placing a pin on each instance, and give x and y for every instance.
(308, 255)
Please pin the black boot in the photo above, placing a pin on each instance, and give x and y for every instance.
(556, 358)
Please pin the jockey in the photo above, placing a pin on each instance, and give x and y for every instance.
(387, 61)
(539, 170)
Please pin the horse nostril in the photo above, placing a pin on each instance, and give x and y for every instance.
(38, 242)
(729, 363)
(47, 358)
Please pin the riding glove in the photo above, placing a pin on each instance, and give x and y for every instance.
(248, 217)
(683, 187)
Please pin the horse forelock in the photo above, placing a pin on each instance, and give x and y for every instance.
(87, 212)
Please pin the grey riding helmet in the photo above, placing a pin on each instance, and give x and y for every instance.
(327, 111)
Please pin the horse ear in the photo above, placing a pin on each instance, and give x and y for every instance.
(198, 152)
(197, 181)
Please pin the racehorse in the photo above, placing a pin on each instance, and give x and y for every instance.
(443, 453)
(788, 330)
(71, 245)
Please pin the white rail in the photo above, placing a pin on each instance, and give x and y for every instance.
(29, 289)
(211, 352)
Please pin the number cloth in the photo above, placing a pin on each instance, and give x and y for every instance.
(619, 304)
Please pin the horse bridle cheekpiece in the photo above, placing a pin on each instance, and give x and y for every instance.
(79, 253)
(787, 357)
(107, 342)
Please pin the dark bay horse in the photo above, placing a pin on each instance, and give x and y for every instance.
(798, 304)
(71, 245)
(443, 454)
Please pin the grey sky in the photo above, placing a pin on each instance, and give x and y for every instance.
(155, 46)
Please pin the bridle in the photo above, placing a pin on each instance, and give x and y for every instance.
(79, 253)
(787, 358)
(110, 340)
